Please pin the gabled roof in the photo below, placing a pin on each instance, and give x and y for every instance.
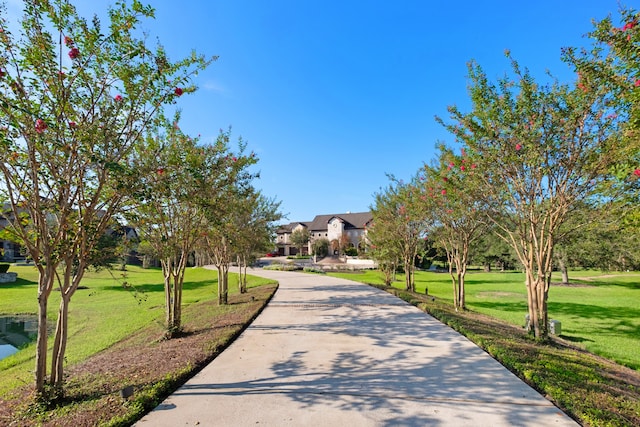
(351, 220)
(288, 228)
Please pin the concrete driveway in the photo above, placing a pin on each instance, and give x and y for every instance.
(332, 352)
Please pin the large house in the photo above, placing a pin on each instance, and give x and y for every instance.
(9, 251)
(351, 227)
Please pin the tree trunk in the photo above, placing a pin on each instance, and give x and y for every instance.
(177, 304)
(461, 302)
(45, 286)
(168, 292)
(60, 343)
(41, 344)
(454, 280)
(565, 272)
(223, 284)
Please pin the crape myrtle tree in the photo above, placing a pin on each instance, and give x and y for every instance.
(320, 247)
(223, 202)
(449, 198)
(398, 226)
(167, 215)
(539, 150)
(255, 222)
(75, 97)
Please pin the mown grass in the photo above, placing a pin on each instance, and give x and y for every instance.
(600, 313)
(110, 307)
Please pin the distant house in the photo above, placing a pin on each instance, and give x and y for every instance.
(351, 227)
(9, 251)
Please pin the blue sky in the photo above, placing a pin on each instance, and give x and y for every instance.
(333, 95)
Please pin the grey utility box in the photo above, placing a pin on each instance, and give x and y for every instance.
(555, 327)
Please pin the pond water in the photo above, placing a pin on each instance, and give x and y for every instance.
(16, 332)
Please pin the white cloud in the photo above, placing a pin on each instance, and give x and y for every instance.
(213, 87)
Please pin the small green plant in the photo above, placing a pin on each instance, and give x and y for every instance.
(314, 270)
(4, 267)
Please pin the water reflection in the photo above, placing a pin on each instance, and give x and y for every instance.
(16, 332)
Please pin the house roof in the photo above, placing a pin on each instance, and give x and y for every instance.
(351, 220)
(288, 228)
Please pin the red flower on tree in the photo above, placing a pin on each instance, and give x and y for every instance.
(178, 91)
(41, 126)
(518, 147)
(443, 192)
(74, 53)
(2, 73)
(637, 173)
(118, 98)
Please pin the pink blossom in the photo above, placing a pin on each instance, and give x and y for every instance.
(73, 125)
(118, 98)
(443, 192)
(463, 168)
(234, 158)
(629, 25)
(637, 173)
(637, 83)
(160, 171)
(518, 147)
(178, 91)
(74, 53)
(2, 73)
(473, 166)
(40, 126)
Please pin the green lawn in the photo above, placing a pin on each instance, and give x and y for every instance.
(603, 316)
(102, 314)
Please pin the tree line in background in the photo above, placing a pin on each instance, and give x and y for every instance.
(546, 173)
(86, 143)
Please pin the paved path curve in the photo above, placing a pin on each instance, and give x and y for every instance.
(332, 352)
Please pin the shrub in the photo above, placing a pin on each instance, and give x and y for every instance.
(282, 267)
(351, 252)
(314, 270)
(4, 268)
